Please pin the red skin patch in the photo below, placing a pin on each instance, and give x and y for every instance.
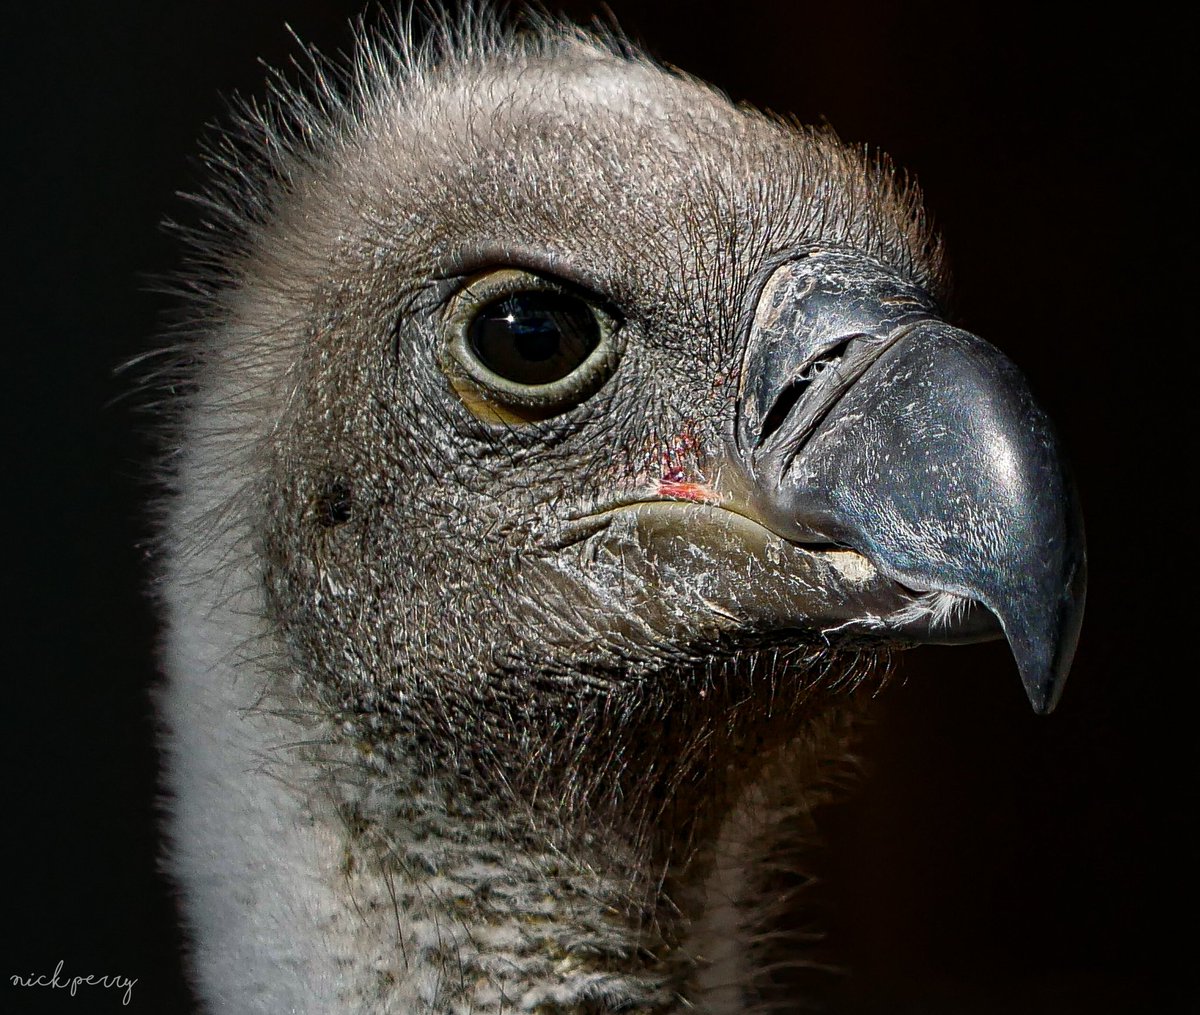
(686, 491)
(675, 484)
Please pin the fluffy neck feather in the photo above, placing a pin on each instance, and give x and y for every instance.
(344, 889)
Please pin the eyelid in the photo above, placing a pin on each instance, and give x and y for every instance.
(479, 260)
(493, 284)
(524, 279)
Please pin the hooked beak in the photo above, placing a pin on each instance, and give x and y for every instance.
(867, 422)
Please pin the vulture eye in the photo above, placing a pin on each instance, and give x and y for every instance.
(528, 345)
(533, 337)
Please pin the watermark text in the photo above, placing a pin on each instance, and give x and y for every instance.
(71, 984)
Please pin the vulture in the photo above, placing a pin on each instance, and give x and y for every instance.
(557, 454)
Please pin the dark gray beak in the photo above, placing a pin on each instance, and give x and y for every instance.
(868, 422)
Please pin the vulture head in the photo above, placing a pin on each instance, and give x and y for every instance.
(560, 452)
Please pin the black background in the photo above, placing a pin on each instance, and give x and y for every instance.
(996, 862)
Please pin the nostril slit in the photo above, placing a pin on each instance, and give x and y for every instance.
(787, 399)
(794, 390)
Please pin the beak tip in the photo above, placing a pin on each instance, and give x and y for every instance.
(1044, 657)
(1043, 693)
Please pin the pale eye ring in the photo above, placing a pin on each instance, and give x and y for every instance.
(523, 342)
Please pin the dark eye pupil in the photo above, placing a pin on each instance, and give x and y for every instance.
(534, 337)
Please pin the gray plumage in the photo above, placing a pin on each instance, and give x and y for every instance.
(461, 716)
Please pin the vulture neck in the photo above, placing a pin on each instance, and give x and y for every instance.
(353, 887)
